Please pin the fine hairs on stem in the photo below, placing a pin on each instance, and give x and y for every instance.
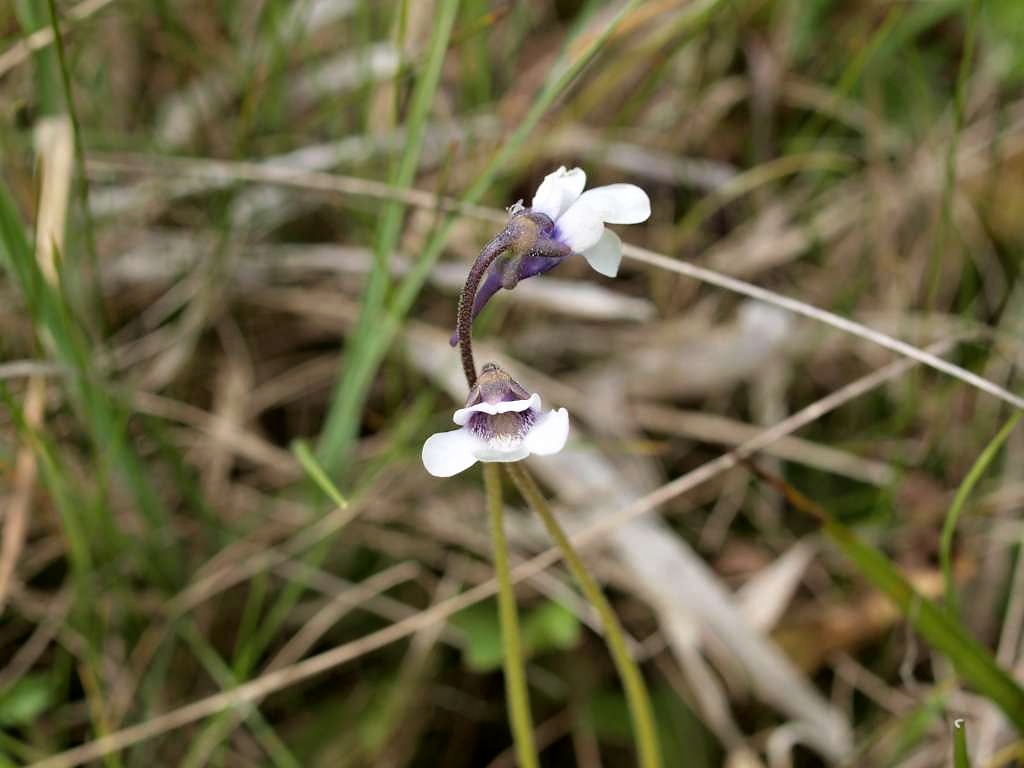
(516, 690)
(641, 713)
(464, 316)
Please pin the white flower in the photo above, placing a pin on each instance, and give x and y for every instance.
(580, 216)
(494, 427)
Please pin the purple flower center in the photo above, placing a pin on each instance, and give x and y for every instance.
(502, 427)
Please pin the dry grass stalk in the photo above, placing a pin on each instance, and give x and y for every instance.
(55, 148)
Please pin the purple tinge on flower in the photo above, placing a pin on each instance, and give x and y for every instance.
(500, 422)
(562, 219)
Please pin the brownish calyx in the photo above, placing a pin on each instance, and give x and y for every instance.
(495, 385)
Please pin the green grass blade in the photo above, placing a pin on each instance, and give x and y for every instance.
(54, 475)
(95, 301)
(960, 757)
(945, 225)
(103, 419)
(316, 472)
(972, 661)
(956, 508)
(32, 17)
(912, 728)
(221, 728)
(339, 425)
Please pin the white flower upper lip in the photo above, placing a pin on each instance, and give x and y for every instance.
(580, 216)
(462, 415)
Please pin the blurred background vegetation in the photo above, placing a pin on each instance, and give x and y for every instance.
(211, 251)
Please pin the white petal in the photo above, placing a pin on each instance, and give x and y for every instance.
(606, 256)
(580, 227)
(495, 453)
(462, 415)
(619, 203)
(549, 433)
(558, 191)
(448, 453)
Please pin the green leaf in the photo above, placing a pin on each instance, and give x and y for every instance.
(609, 717)
(908, 731)
(479, 623)
(26, 700)
(549, 627)
(973, 662)
(545, 628)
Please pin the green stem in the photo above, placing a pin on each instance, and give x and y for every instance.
(639, 701)
(515, 671)
(961, 758)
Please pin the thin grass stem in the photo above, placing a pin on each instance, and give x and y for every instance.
(956, 508)
(391, 322)
(95, 295)
(637, 698)
(949, 171)
(516, 691)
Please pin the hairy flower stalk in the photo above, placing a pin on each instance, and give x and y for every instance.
(464, 314)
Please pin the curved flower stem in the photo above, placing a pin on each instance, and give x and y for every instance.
(464, 317)
(515, 674)
(648, 751)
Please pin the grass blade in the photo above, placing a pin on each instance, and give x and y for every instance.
(316, 473)
(956, 508)
(342, 415)
(105, 421)
(94, 293)
(972, 661)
